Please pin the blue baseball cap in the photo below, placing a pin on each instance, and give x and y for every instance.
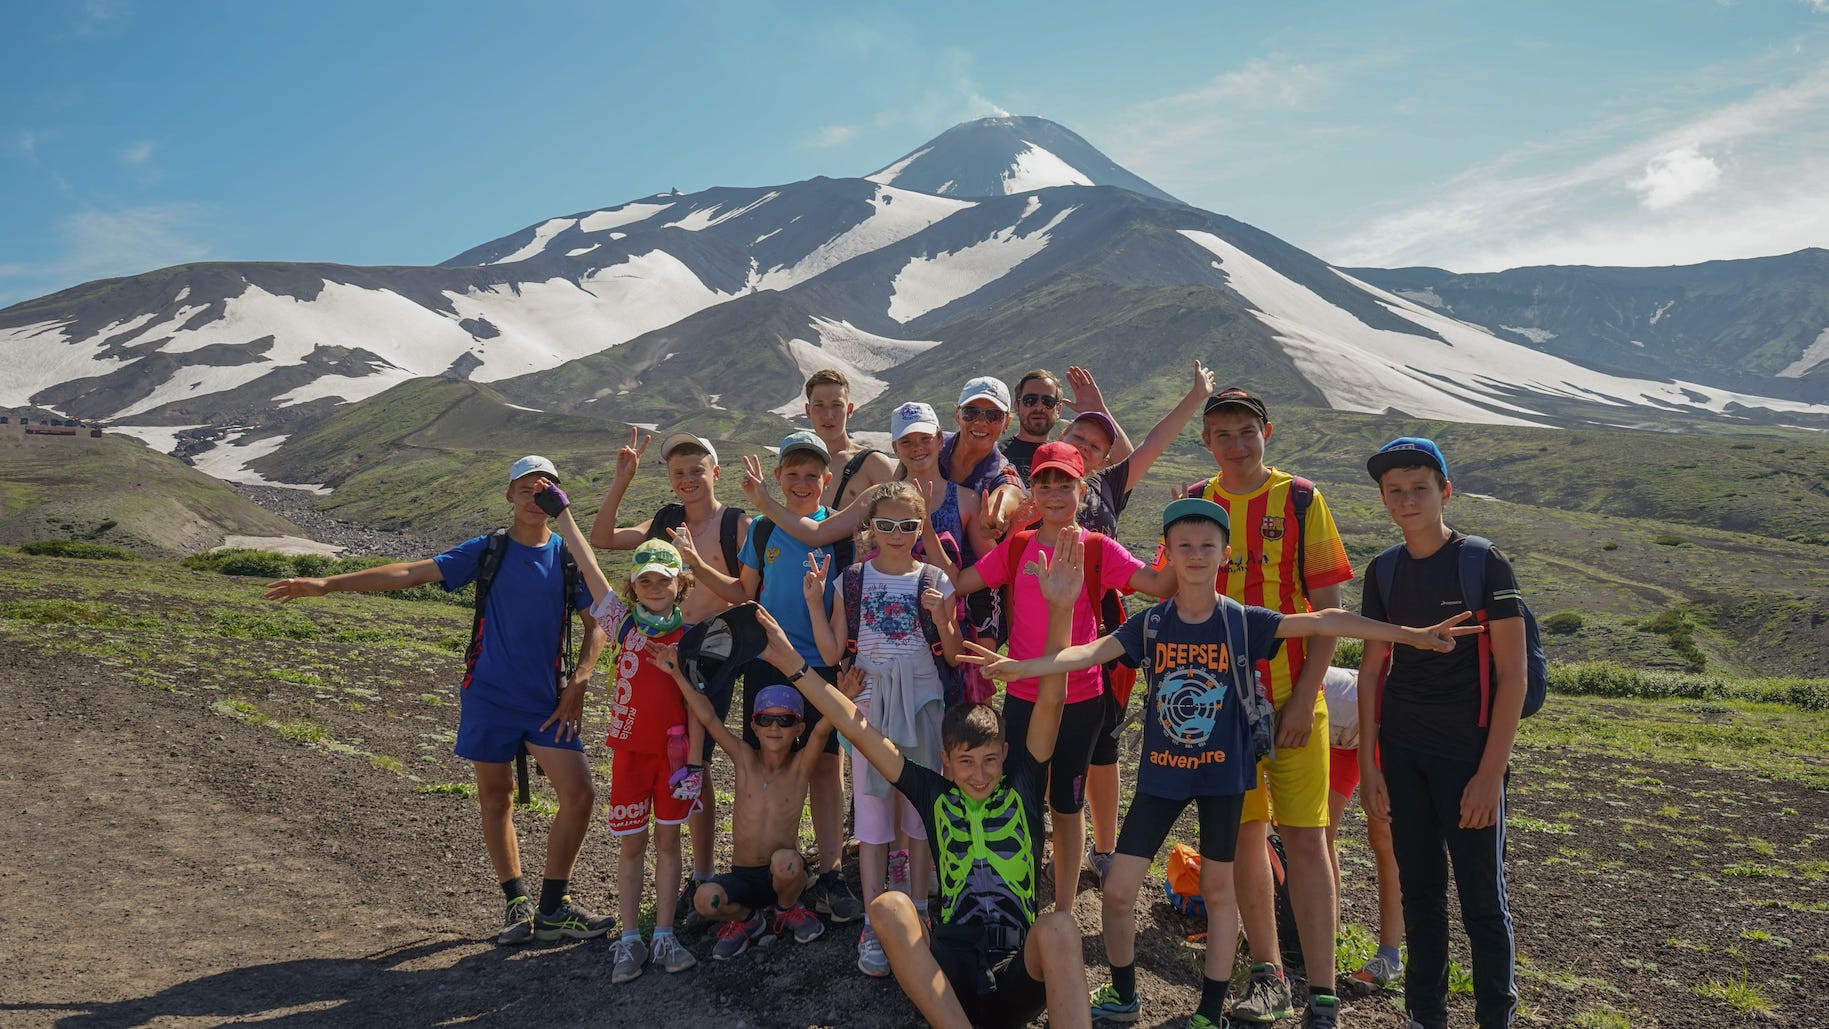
(803, 440)
(1196, 507)
(1407, 452)
(778, 696)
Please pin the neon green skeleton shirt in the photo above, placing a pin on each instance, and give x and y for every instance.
(986, 853)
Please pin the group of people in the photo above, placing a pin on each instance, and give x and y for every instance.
(881, 599)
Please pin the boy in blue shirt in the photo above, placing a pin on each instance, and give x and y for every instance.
(512, 696)
(1198, 739)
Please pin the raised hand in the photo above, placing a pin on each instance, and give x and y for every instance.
(1443, 635)
(682, 542)
(551, 499)
(995, 509)
(1026, 513)
(851, 681)
(628, 459)
(1204, 381)
(991, 663)
(936, 604)
(1062, 578)
(813, 586)
(1086, 395)
(666, 656)
(933, 494)
(755, 483)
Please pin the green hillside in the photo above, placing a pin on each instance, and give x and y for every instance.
(117, 491)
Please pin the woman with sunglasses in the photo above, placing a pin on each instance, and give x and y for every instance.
(898, 602)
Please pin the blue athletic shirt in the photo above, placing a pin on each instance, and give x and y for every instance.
(1196, 742)
(521, 621)
(784, 569)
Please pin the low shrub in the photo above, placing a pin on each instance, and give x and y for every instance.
(1563, 623)
(79, 549)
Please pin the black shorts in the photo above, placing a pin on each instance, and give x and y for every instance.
(757, 676)
(1013, 998)
(1147, 825)
(1080, 723)
(750, 886)
(1105, 744)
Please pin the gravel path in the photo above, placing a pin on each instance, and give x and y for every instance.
(296, 505)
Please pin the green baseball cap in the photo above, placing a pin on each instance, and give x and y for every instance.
(656, 556)
(1196, 507)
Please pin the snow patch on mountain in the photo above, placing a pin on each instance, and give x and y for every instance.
(896, 215)
(859, 354)
(545, 231)
(1036, 168)
(581, 251)
(1659, 313)
(705, 218)
(929, 283)
(228, 460)
(1538, 336)
(163, 438)
(617, 217)
(1814, 354)
(887, 176)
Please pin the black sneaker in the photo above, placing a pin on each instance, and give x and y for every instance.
(517, 924)
(571, 922)
(833, 897)
(690, 921)
(1323, 1013)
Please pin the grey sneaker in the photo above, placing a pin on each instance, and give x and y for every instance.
(734, 936)
(1266, 997)
(1377, 974)
(670, 956)
(571, 922)
(517, 924)
(1323, 1013)
(627, 955)
(836, 900)
(1100, 865)
(804, 925)
(870, 957)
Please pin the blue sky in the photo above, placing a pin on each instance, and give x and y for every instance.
(1470, 135)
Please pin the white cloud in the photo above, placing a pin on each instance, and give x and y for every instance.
(1678, 204)
(1673, 177)
(831, 136)
(28, 143)
(98, 244)
(138, 152)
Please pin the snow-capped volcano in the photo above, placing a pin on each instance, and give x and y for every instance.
(1002, 156)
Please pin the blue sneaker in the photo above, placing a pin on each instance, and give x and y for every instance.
(1107, 1006)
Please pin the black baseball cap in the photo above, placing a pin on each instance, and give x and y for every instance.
(713, 652)
(1237, 396)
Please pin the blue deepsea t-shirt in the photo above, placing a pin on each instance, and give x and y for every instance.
(1196, 742)
(784, 569)
(521, 621)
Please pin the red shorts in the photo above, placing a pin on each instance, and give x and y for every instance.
(1343, 770)
(639, 791)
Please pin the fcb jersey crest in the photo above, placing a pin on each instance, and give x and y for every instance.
(1271, 528)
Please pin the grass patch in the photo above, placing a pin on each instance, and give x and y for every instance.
(78, 549)
(1737, 992)
(454, 789)
(385, 763)
(1524, 823)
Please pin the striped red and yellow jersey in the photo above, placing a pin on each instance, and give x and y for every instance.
(1263, 566)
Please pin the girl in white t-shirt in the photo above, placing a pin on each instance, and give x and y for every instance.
(902, 696)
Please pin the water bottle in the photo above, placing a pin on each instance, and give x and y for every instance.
(676, 748)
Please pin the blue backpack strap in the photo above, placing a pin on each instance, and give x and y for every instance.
(1473, 593)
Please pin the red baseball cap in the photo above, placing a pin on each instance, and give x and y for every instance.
(1064, 457)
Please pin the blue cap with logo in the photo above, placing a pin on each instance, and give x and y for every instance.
(1407, 452)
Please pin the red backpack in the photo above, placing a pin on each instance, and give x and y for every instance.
(1123, 677)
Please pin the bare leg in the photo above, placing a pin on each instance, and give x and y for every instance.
(1069, 850)
(631, 870)
(570, 775)
(1216, 888)
(1256, 892)
(1390, 894)
(702, 827)
(790, 875)
(826, 798)
(1102, 803)
(1311, 893)
(898, 928)
(666, 875)
(495, 794)
(1051, 955)
(716, 905)
(1336, 809)
(1118, 908)
(872, 868)
(920, 868)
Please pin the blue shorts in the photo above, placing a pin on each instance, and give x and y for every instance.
(489, 733)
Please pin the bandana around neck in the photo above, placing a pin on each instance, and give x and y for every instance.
(652, 624)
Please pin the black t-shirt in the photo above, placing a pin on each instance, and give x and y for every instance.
(993, 884)
(1021, 453)
(1432, 701)
(1107, 495)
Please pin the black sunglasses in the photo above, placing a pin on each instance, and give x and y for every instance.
(972, 414)
(1047, 400)
(777, 721)
(891, 525)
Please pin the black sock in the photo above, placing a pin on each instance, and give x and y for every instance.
(552, 893)
(1124, 981)
(1316, 992)
(1213, 999)
(514, 889)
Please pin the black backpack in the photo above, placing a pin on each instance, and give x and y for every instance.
(672, 516)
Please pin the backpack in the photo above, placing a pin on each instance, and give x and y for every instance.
(952, 683)
(1260, 713)
(487, 564)
(672, 516)
(1123, 677)
(1473, 593)
(1301, 497)
(1181, 881)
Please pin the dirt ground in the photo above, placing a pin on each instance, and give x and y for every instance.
(165, 863)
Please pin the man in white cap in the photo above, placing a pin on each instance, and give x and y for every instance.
(692, 471)
(515, 694)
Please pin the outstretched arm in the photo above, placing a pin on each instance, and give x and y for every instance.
(398, 576)
(555, 503)
(1333, 621)
(604, 533)
(837, 526)
(840, 712)
(1060, 587)
(666, 657)
(828, 626)
(1088, 397)
(1165, 431)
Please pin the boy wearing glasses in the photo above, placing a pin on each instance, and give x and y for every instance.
(761, 892)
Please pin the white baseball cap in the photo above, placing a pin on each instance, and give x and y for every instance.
(913, 416)
(985, 387)
(530, 464)
(681, 439)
